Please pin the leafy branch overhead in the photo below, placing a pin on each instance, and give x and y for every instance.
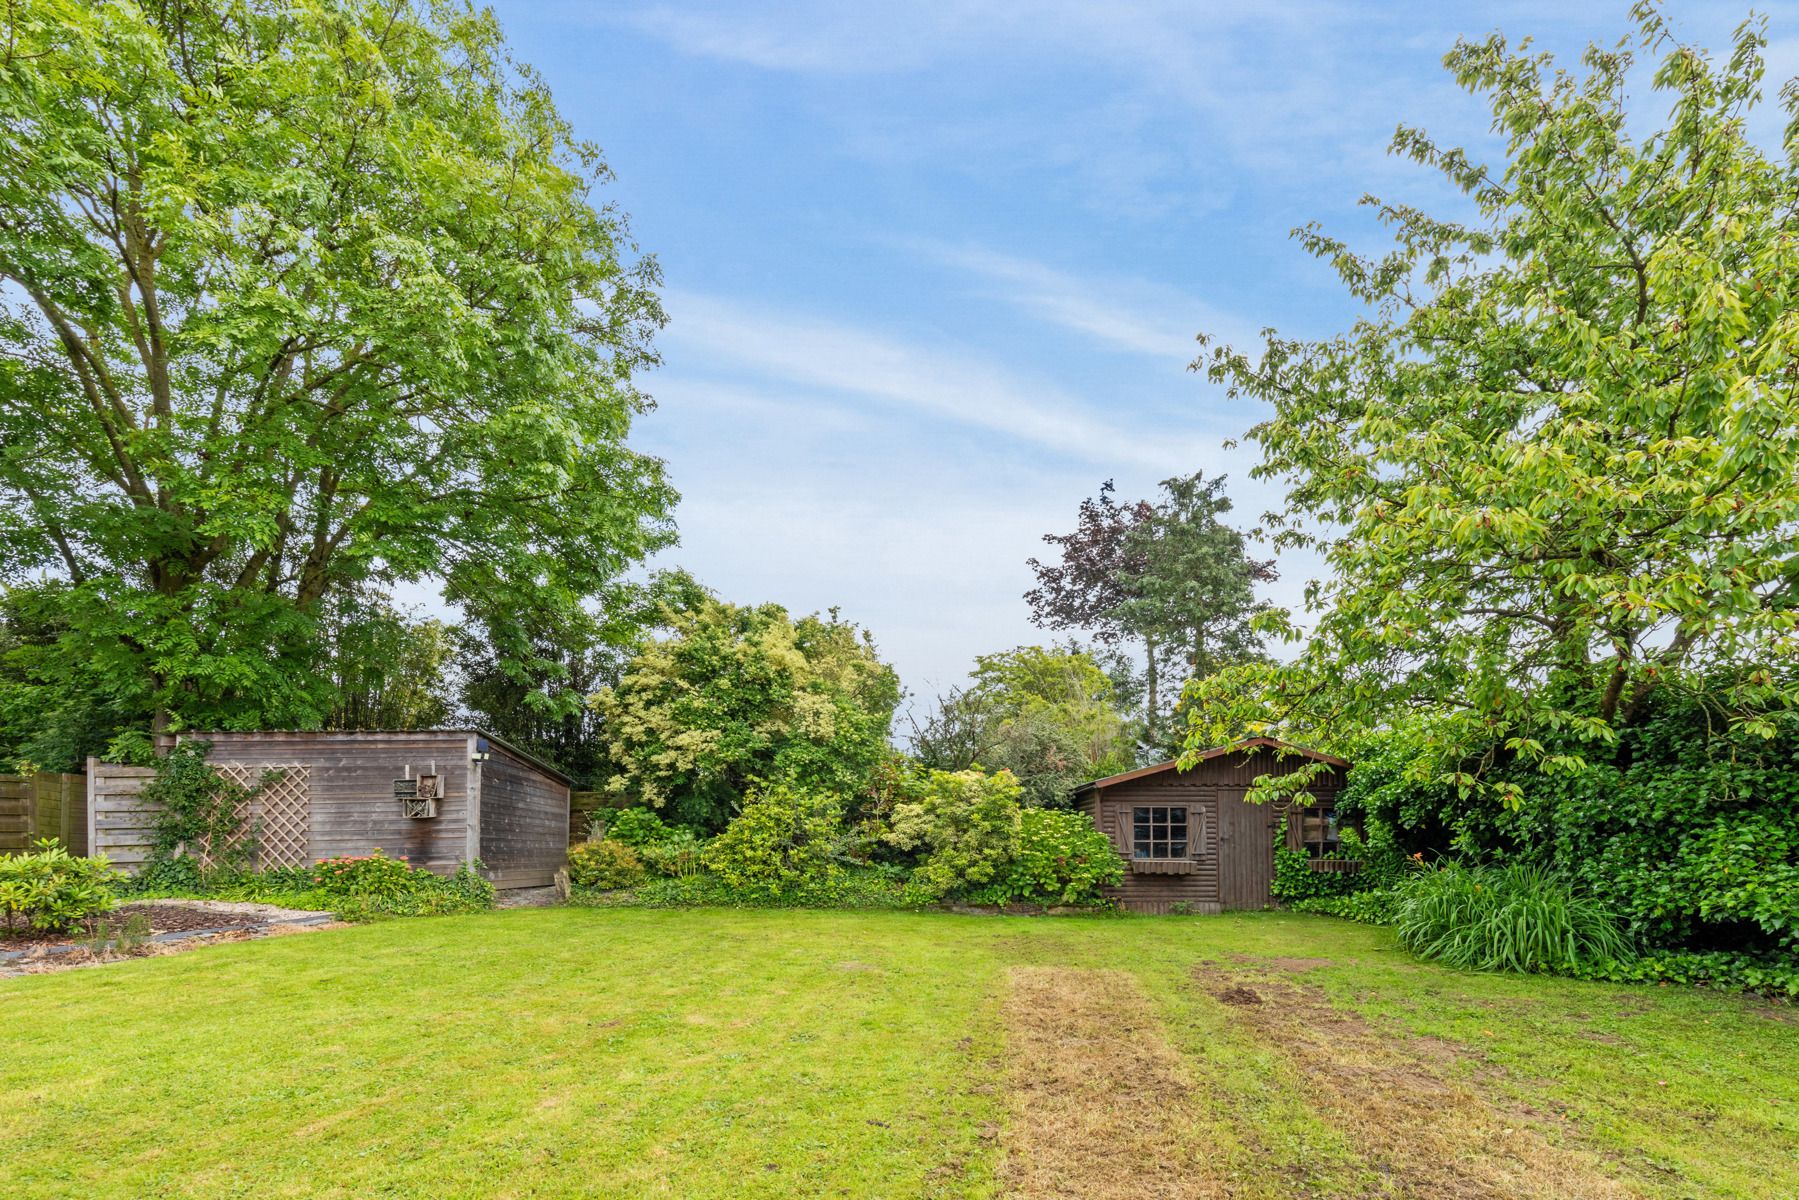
(1555, 469)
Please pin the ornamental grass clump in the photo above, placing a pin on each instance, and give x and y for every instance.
(1505, 918)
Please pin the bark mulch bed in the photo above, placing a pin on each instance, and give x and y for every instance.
(173, 926)
(163, 918)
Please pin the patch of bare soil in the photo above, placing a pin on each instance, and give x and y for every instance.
(1284, 964)
(1102, 1107)
(1423, 1131)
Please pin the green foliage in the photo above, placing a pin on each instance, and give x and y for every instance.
(51, 720)
(604, 865)
(781, 841)
(1061, 859)
(1551, 474)
(733, 695)
(854, 888)
(1720, 969)
(50, 888)
(529, 678)
(1294, 878)
(965, 825)
(339, 314)
(374, 876)
(1049, 716)
(1372, 907)
(388, 670)
(199, 812)
(371, 886)
(637, 827)
(1384, 865)
(1690, 835)
(679, 854)
(1168, 576)
(1511, 918)
(430, 895)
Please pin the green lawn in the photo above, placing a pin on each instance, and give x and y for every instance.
(570, 1052)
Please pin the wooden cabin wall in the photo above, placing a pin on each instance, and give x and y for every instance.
(350, 780)
(1234, 867)
(524, 822)
(1111, 811)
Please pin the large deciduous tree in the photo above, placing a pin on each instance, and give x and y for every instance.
(298, 298)
(1556, 466)
(1167, 576)
(1048, 715)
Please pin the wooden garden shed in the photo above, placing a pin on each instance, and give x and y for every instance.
(1190, 839)
(440, 797)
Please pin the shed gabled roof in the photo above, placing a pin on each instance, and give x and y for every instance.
(1248, 744)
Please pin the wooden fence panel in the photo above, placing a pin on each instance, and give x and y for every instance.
(581, 808)
(120, 823)
(45, 805)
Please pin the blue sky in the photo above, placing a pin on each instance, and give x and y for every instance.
(934, 269)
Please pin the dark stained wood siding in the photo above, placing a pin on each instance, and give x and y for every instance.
(1233, 860)
(524, 822)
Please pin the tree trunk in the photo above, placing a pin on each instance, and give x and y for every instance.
(1153, 707)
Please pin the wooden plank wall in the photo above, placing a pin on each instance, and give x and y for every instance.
(119, 821)
(1235, 861)
(525, 819)
(44, 805)
(350, 779)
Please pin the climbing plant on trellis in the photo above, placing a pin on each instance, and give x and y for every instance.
(274, 811)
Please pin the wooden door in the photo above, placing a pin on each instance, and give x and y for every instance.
(1245, 852)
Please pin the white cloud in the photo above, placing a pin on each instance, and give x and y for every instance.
(1126, 314)
(939, 380)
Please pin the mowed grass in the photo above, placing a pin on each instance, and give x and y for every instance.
(570, 1052)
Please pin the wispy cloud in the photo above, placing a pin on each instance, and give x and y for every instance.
(1133, 315)
(938, 380)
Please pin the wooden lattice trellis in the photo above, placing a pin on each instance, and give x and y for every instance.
(279, 815)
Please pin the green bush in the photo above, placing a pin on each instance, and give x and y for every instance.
(967, 826)
(855, 888)
(1510, 918)
(374, 876)
(782, 840)
(1689, 832)
(51, 889)
(367, 886)
(678, 855)
(1061, 859)
(427, 895)
(638, 827)
(1724, 970)
(604, 865)
(1370, 907)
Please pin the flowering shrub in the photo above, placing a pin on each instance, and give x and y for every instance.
(362, 887)
(53, 889)
(374, 875)
(1062, 859)
(604, 865)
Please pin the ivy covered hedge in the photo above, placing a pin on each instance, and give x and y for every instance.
(1687, 833)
